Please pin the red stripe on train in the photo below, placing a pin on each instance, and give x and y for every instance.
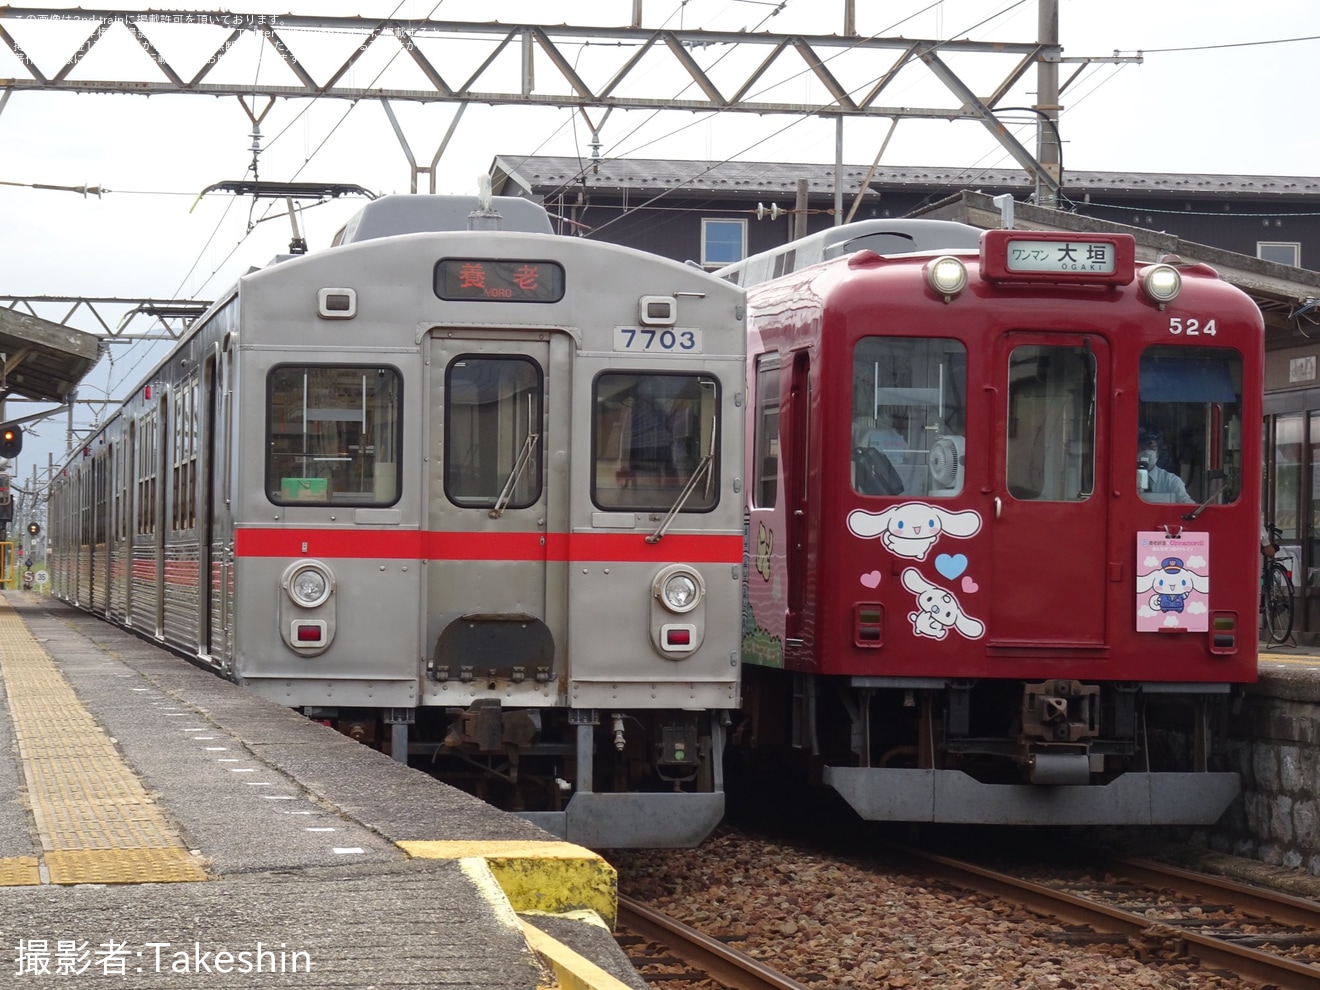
(388, 544)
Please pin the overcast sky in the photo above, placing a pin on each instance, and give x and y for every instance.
(1223, 87)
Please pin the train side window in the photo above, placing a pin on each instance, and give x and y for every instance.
(493, 431)
(766, 466)
(1050, 448)
(650, 435)
(909, 416)
(333, 435)
(1189, 447)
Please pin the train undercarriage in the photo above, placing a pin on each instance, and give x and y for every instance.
(1052, 752)
(602, 779)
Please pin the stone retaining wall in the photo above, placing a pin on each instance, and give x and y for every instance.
(1274, 743)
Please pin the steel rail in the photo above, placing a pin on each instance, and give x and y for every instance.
(1257, 901)
(736, 970)
(1209, 951)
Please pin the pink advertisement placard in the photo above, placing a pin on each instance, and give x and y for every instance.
(1173, 582)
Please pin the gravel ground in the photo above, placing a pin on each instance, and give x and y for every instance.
(832, 923)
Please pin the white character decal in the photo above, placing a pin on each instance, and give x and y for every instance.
(938, 611)
(1172, 582)
(911, 529)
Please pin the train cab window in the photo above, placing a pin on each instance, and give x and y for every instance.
(1189, 442)
(493, 449)
(333, 435)
(1050, 447)
(908, 416)
(654, 442)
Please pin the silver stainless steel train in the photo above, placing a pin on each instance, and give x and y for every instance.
(468, 491)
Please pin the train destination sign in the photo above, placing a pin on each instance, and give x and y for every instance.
(1061, 256)
(1057, 256)
(499, 280)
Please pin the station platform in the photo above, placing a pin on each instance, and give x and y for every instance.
(161, 827)
(1289, 670)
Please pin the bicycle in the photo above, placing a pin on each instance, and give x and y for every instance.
(1276, 591)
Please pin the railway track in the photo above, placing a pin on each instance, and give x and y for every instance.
(1165, 912)
(702, 957)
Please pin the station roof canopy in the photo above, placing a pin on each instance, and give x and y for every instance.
(43, 360)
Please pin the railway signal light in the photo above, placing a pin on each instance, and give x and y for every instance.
(11, 441)
(34, 528)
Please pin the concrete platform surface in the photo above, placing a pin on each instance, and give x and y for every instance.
(162, 827)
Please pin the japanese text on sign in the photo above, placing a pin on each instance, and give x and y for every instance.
(499, 280)
(1061, 256)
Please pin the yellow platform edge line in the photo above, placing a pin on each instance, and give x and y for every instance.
(549, 877)
(81, 794)
(20, 871)
(572, 970)
(123, 866)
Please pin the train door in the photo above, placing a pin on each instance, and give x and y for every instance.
(206, 497)
(160, 503)
(130, 519)
(218, 526)
(797, 502)
(1049, 481)
(495, 487)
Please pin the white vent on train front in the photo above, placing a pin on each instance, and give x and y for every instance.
(336, 304)
(657, 311)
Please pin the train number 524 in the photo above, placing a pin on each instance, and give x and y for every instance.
(1191, 327)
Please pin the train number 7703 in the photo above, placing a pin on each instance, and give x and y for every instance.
(687, 341)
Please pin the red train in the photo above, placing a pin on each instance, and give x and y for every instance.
(1003, 522)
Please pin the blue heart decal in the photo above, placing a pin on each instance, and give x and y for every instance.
(951, 565)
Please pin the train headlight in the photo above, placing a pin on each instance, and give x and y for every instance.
(308, 584)
(947, 276)
(1161, 283)
(679, 588)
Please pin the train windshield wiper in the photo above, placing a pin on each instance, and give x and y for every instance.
(519, 465)
(1223, 483)
(702, 471)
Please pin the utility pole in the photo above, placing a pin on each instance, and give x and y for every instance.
(1048, 152)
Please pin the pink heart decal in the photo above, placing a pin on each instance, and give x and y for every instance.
(871, 580)
(968, 585)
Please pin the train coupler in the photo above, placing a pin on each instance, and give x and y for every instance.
(1060, 711)
(489, 729)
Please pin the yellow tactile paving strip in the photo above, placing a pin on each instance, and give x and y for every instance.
(96, 822)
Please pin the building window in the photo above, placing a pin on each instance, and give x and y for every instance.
(1284, 252)
(723, 242)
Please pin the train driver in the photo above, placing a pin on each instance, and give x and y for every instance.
(1154, 482)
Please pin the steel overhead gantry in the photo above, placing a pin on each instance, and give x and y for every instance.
(44, 361)
(616, 56)
(172, 316)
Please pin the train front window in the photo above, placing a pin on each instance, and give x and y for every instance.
(909, 416)
(1189, 438)
(493, 449)
(1050, 449)
(651, 435)
(332, 435)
